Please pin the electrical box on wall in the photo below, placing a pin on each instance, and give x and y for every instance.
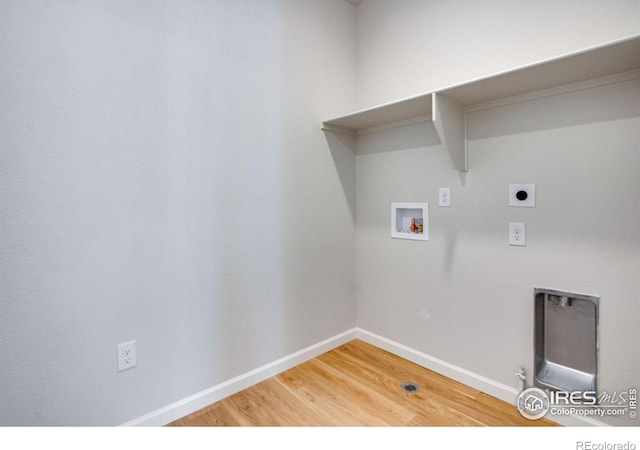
(522, 195)
(410, 221)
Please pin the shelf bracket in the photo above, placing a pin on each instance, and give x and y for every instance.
(337, 129)
(449, 122)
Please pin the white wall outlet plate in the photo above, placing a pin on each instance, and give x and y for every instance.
(444, 196)
(127, 357)
(517, 235)
(522, 195)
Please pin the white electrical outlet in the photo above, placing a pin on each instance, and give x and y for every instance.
(517, 235)
(444, 196)
(127, 357)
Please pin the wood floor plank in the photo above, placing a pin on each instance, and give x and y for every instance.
(438, 397)
(401, 370)
(501, 416)
(376, 405)
(255, 406)
(438, 415)
(358, 384)
(318, 390)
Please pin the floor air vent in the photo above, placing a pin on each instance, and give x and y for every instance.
(410, 387)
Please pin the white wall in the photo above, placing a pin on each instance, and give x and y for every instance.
(466, 296)
(413, 46)
(164, 179)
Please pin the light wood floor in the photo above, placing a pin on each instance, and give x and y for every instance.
(358, 384)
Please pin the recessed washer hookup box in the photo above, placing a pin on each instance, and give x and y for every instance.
(566, 341)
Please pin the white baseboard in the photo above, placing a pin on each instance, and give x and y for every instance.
(216, 393)
(220, 391)
(479, 382)
(464, 376)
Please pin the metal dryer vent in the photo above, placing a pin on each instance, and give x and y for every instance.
(566, 341)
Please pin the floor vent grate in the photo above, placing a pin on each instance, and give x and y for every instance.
(410, 387)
